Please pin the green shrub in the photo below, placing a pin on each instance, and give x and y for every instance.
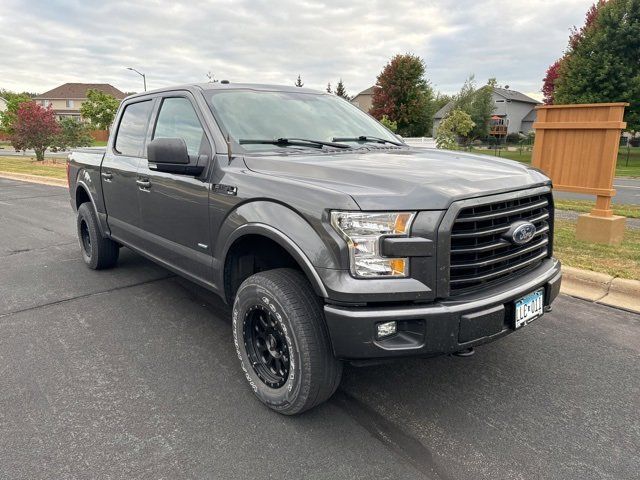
(514, 137)
(72, 134)
(390, 124)
(456, 124)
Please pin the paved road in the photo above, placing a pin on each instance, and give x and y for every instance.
(130, 373)
(10, 152)
(628, 192)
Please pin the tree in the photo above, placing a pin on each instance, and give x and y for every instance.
(457, 123)
(8, 94)
(549, 82)
(393, 126)
(404, 95)
(14, 100)
(341, 91)
(329, 88)
(72, 134)
(299, 82)
(478, 103)
(35, 127)
(99, 108)
(603, 65)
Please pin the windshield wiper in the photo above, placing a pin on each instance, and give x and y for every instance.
(367, 138)
(292, 141)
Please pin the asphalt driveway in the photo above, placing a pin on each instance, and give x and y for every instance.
(131, 373)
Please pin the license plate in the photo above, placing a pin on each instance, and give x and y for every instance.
(529, 307)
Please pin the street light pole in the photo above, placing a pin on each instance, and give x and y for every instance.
(144, 78)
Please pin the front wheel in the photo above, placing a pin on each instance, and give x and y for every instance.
(282, 341)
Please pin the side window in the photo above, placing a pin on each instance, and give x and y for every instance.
(178, 119)
(133, 128)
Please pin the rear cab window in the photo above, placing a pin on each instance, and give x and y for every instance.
(132, 129)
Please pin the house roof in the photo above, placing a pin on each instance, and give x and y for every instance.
(443, 111)
(368, 91)
(508, 94)
(513, 95)
(79, 91)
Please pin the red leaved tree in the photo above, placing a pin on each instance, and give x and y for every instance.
(404, 95)
(549, 81)
(35, 127)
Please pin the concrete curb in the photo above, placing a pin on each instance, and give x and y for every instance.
(601, 288)
(24, 177)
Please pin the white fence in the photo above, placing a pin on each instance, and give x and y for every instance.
(425, 142)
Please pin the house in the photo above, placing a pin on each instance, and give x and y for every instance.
(67, 99)
(364, 100)
(513, 112)
(3, 104)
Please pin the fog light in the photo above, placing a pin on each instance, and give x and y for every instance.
(387, 328)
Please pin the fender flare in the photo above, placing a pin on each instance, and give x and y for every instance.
(80, 184)
(256, 228)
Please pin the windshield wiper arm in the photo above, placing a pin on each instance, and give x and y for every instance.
(366, 138)
(292, 141)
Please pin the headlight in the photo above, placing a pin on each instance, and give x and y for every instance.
(363, 232)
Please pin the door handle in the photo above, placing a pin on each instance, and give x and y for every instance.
(143, 184)
(107, 176)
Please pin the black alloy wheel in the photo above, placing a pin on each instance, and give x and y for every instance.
(266, 346)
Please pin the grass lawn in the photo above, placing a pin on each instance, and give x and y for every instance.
(629, 211)
(99, 143)
(622, 170)
(30, 166)
(620, 261)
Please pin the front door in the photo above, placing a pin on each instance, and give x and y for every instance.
(174, 207)
(119, 173)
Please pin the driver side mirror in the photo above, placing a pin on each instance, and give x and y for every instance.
(171, 155)
(168, 150)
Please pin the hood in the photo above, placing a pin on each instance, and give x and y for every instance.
(416, 179)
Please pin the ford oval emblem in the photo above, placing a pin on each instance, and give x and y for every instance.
(521, 232)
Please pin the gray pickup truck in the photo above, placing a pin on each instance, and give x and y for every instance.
(332, 239)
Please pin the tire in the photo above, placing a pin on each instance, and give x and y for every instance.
(277, 316)
(97, 252)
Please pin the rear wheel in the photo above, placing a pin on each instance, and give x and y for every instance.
(97, 252)
(282, 341)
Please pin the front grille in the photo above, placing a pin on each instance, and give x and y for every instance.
(481, 256)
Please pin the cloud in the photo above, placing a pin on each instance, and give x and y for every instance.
(47, 43)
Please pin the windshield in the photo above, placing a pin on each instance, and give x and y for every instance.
(271, 115)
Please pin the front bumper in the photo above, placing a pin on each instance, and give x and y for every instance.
(440, 327)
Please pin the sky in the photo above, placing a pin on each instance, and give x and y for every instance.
(47, 43)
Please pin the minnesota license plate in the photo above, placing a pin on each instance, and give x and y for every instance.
(529, 307)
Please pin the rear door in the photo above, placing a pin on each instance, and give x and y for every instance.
(119, 172)
(174, 207)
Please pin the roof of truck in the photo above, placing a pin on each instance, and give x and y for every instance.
(231, 86)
